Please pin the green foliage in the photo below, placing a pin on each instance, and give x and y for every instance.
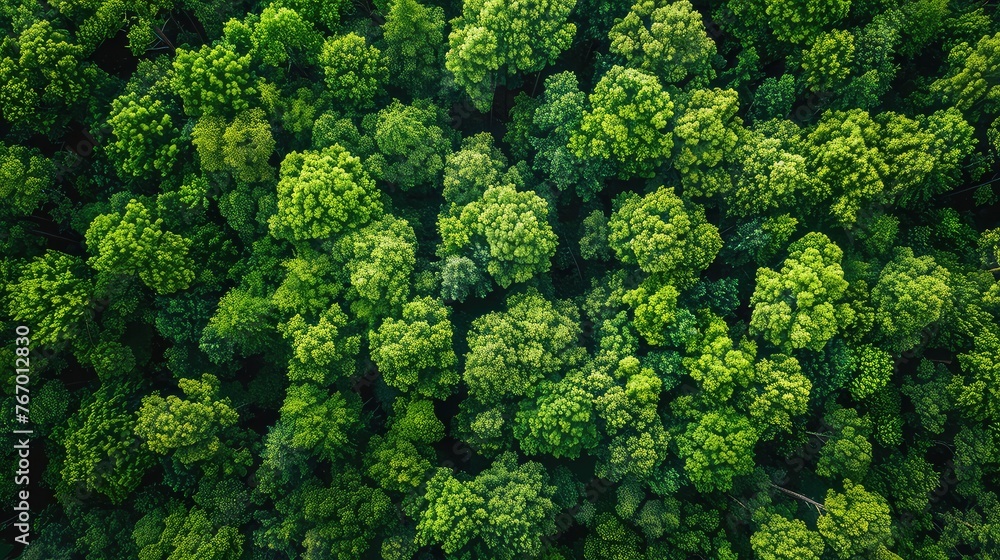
(665, 39)
(241, 147)
(187, 428)
(513, 225)
(42, 72)
(801, 306)
(977, 392)
(102, 454)
(25, 175)
(706, 132)
(379, 259)
(53, 295)
(411, 145)
(968, 84)
(493, 40)
(281, 34)
(846, 450)
(654, 312)
(511, 352)
(414, 44)
(626, 123)
(320, 422)
(781, 395)
(214, 80)
(354, 70)
(855, 522)
(663, 235)
(779, 538)
(716, 448)
(309, 286)
(415, 352)
(594, 241)
(910, 295)
(718, 365)
(241, 322)
(774, 98)
(134, 243)
(320, 353)
(729, 258)
(560, 422)
(843, 155)
(146, 138)
(873, 367)
(505, 510)
(553, 122)
(797, 21)
(773, 175)
(612, 540)
(191, 534)
(827, 62)
(322, 193)
(468, 172)
(321, 13)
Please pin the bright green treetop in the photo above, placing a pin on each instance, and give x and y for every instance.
(135, 243)
(40, 74)
(411, 144)
(323, 193)
(772, 175)
(971, 83)
(188, 427)
(827, 62)
(844, 154)
(855, 522)
(52, 295)
(504, 512)
(214, 80)
(978, 392)
(911, 294)
(847, 450)
(797, 21)
(561, 422)
(193, 536)
(146, 140)
(663, 235)
(665, 39)
(494, 39)
(321, 422)
(414, 44)
(321, 352)
(355, 71)
(102, 452)
(626, 124)
(511, 352)
(241, 147)
(802, 305)
(781, 393)
(716, 363)
(779, 538)
(281, 34)
(415, 352)
(706, 131)
(378, 260)
(716, 448)
(25, 175)
(512, 224)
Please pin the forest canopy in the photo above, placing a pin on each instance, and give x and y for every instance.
(491, 279)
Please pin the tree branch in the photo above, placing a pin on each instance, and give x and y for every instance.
(808, 500)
